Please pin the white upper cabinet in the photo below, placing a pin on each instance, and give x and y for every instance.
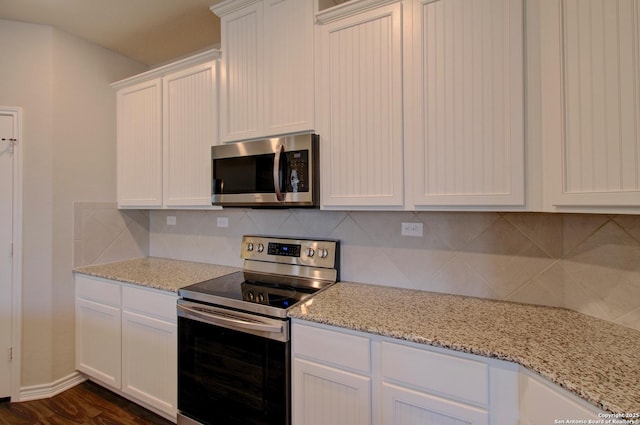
(590, 80)
(267, 78)
(467, 144)
(139, 144)
(360, 102)
(190, 113)
(167, 123)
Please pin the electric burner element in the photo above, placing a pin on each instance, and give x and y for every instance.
(277, 274)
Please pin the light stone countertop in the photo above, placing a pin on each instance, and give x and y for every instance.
(158, 273)
(595, 359)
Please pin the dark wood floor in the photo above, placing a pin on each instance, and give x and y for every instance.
(86, 403)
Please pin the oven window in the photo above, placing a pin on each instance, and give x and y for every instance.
(230, 377)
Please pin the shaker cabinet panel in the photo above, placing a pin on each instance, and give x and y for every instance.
(241, 96)
(288, 66)
(189, 131)
(360, 109)
(126, 339)
(140, 144)
(590, 102)
(149, 345)
(326, 395)
(167, 123)
(267, 76)
(468, 115)
(404, 406)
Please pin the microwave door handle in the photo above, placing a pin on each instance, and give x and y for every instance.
(276, 173)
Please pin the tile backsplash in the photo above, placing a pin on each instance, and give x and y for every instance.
(585, 262)
(103, 234)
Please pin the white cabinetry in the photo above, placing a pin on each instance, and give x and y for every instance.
(467, 145)
(98, 330)
(267, 73)
(345, 377)
(140, 144)
(421, 104)
(331, 377)
(167, 123)
(149, 347)
(590, 110)
(420, 386)
(542, 403)
(360, 105)
(126, 338)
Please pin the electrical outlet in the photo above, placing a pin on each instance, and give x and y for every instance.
(171, 220)
(411, 229)
(223, 222)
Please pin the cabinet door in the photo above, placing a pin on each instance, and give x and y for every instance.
(468, 139)
(140, 145)
(360, 120)
(543, 403)
(241, 88)
(288, 62)
(189, 131)
(590, 108)
(98, 341)
(149, 360)
(324, 395)
(403, 406)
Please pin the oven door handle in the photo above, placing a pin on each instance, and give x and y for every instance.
(237, 323)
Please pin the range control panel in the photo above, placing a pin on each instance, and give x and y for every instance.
(303, 252)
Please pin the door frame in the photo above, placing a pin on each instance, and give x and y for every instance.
(16, 278)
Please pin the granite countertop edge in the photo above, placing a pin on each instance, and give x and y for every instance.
(157, 273)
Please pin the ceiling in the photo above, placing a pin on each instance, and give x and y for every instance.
(149, 31)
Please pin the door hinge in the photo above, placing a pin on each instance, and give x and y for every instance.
(10, 353)
(11, 249)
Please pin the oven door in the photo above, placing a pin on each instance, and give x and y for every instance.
(230, 369)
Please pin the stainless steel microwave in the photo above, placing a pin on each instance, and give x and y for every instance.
(278, 172)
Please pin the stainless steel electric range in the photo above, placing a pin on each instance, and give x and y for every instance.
(234, 364)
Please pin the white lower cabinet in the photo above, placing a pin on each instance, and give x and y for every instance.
(98, 339)
(541, 403)
(328, 395)
(126, 338)
(331, 377)
(347, 377)
(425, 387)
(404, 406)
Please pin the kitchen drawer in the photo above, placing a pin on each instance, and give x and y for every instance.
(455, 377)
(98, 290)
(332, 347)
(151, 302)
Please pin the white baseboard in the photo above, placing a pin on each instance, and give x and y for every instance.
(36, 392)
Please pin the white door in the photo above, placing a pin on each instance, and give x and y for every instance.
(7, 135)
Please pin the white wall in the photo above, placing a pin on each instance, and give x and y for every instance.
(69, 154)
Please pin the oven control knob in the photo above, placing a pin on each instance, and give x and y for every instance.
(324, 253)
(261, 297)
(250, 296)
(310, 252)
(260, 247)
(250, 246)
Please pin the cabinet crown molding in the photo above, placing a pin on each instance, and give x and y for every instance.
(349, 8)
(202, 57)
(230, 6)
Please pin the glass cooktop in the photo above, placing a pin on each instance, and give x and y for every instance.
(236, 291)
